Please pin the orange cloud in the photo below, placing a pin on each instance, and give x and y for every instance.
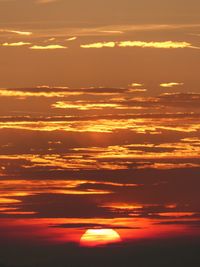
(99, 45)
(47, 47)
(165, 45)
(84, 106)
(136, 84)
(16, 44)
(16, 32)
(170, 84)
(71, 39)
(142, 44)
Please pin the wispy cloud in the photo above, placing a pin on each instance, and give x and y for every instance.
(136, 84)
(47, 47)
(16, 44)
(112, 32)
(16, 32)
(84, 106)
(71, 38)
(99, 45)
(142, 44)
(166, 44)
(170, 84)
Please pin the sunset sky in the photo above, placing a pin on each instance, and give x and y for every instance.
(99, 132)
(44, 43)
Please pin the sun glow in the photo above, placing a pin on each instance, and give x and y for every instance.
(99, 237)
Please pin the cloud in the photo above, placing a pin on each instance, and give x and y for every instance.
(89, 225)
(170, 84)
(136, 84)
(166, 44)
(112, 32)
(71, 39)
(47, 47)
(139, 124)
(163, 45)
(84, 106)
(99, 45)
(16, 44)
(60, 91)
(16, 32)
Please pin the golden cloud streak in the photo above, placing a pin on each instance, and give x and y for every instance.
(122, 206)
(179, 150)
(21, 188)
(141, 126)
(47, 47)
(84, 106)
(16, 32)
(113, 158)
(136, 84)
(142, 44)
(23, 94)
(16, 44)
(170, 84)
(99, 45)
(165, 45)
(71, 38)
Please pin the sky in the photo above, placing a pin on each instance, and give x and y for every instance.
(99, 133)
(50, 37)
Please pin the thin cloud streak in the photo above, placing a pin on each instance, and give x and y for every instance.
(47, 47)
(16, 32)
(16, 44)
(165, 45)
(100, 45)
(170, 84)
(142, 44)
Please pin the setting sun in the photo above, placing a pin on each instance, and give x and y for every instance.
(99, 237)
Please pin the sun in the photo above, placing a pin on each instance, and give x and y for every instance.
(99, 237)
